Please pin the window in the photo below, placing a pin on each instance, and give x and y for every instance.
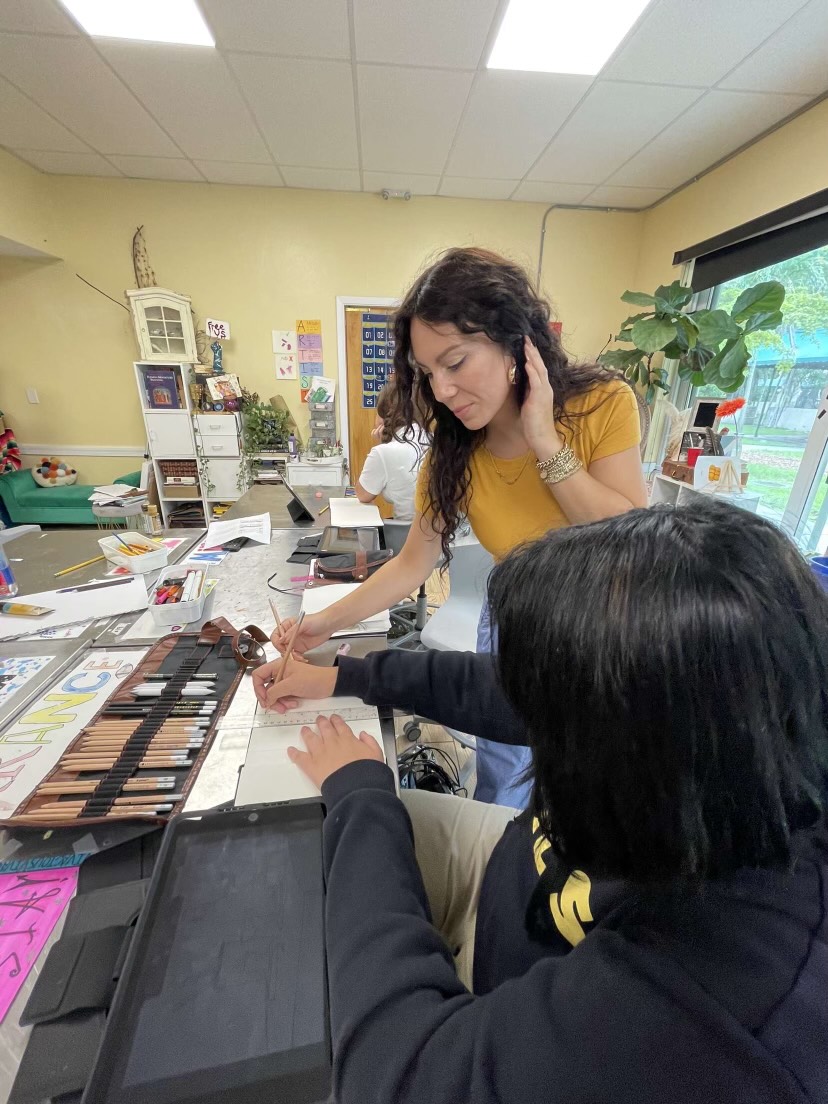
(782, 430)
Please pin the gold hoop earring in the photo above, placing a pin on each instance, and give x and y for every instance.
(512, 375)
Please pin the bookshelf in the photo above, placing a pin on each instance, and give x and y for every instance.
(196, 455)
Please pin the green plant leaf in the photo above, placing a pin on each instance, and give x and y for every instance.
(620, 358)
(715, 326)
(763, 320)
(634, 318)
(676, 294)
(697, 379)
(673, 351)
(638, 298)
(728, 365)
(767, 296)
(624, 335)
(652, 334)
(689, 328)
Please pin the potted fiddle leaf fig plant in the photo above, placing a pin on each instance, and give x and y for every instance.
(711, 346)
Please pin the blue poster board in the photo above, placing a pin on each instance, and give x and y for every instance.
(377, 356)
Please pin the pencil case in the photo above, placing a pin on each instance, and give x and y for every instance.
(180, 656)
(177, 613)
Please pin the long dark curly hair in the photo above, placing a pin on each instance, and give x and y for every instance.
(478, 292)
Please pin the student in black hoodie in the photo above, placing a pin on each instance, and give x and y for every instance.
(670, 669)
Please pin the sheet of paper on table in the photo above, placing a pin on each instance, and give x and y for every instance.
(256, 528)
(350, 513)
(268, 775)
(76, 605)
(316, 599)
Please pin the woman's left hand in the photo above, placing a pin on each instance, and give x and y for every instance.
(537, 414)
(332, 747)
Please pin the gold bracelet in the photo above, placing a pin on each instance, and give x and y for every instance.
(560, 466)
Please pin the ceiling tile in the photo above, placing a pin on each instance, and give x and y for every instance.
(538, 191)
(696, 43)
(37, 16)
(509, 119)
(193, 95)
(234, 172)
(68, 78)
(340, 180)
(404, 182)
(308, 28)
(444, 33)
(304, 108)
(613, 121)
(614, 196)
(715, 126)
(794, 60)
(467, 187)
(430, 101)
(23, 123)
(157, 168)
(75, 164)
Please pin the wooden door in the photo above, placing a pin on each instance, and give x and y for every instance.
(368, 361)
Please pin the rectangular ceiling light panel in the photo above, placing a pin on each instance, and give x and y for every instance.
(562, 36)
(178, 21)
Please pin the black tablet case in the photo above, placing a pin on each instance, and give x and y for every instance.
(223, 997)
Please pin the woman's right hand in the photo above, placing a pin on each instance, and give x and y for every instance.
(313, 632)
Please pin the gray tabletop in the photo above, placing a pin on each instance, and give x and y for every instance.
(35, 557)
(273, 498)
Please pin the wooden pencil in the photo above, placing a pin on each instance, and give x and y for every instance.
(106, 764)
(275, 613)
(292, 642)
(166, 799)
(73, 814)
(149, 786)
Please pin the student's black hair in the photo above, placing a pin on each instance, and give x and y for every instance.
(671, 666)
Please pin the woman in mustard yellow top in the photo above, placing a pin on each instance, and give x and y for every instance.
(523, 441)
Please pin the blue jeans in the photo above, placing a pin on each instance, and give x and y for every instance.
(500, 767)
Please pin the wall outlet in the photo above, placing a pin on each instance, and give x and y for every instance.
(32, 395)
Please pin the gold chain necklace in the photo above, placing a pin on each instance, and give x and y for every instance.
(499, 473)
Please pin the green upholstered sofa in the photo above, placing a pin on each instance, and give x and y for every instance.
(25, 501)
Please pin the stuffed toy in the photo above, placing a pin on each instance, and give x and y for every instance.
(9, 449)
(52, 472)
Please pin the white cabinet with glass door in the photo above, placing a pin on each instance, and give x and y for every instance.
(163, 323)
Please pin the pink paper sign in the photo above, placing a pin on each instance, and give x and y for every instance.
(30, 906)
(308, 356)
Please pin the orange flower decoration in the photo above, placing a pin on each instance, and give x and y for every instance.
(728, 407)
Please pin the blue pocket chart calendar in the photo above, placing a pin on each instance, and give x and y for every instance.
(377, 351)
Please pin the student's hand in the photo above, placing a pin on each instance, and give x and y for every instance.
(537, 414)
(330, 746)
(301, 680)
(314, 631)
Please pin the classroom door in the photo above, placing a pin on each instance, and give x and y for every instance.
(368, 362)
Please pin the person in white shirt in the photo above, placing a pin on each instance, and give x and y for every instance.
(391, 467)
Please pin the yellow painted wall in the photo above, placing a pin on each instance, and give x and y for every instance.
(787, 165)
(25, 204)
(260, 258)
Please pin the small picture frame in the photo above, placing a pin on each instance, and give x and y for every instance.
(692, 438)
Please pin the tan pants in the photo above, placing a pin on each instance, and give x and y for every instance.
(453, 839)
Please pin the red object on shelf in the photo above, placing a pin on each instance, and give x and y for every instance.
(692, 456)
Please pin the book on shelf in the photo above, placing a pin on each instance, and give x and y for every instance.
(223, 387)
(161, 389)
(179, 480)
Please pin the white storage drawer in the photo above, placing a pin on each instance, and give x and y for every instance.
(223, 474)
(304, 474)
(170, 434)
(220, 445)
(211, 424)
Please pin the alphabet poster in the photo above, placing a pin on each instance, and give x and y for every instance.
(35, 741)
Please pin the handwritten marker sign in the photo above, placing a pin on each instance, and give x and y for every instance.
(308, 326)
(30, 906)
(218, 329)
(31, 746)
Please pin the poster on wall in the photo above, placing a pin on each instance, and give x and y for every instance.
(311, 363)
(285, 359)
(30, 747)
(377, 356)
